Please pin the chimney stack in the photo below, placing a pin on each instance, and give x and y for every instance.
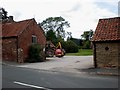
(10, 19)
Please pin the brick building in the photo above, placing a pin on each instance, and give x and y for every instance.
(106, 42)
(18, 36)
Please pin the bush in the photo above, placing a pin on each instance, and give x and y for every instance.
(87, 44)
(70, 46)
(34, 53)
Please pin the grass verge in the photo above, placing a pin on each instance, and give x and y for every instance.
(81, 52)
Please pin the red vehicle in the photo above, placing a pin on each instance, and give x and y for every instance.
(51, 50)
(59, 52)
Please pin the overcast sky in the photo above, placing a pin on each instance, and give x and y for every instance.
(82, 15)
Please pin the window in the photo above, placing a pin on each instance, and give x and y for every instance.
(34, 39)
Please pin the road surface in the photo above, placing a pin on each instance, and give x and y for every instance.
(16, 77)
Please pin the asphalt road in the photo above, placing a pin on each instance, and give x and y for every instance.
(16, 77)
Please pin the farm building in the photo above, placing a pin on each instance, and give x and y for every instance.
(18, 36)
(106, 42)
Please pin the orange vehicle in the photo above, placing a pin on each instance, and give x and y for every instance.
(59, 52)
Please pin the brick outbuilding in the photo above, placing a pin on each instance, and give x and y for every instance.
(106, 42)
(18, 36)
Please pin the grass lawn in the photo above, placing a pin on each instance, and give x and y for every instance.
(82, 52)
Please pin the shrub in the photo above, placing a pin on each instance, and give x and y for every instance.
(70, 46)
(34, 53)
(86, 44)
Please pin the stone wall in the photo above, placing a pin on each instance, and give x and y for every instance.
(107, 54)
(9, 49)
(119, 55)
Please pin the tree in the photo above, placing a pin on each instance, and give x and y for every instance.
(50, 36)
(86, 36)
(70, 46)
(3, 14)
(75, 40)
(69, 35)
(56, 24)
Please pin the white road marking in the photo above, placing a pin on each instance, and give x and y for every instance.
(24, 84)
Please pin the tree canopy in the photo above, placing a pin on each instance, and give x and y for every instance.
(3, 14)
(55, 25)
(87, 35)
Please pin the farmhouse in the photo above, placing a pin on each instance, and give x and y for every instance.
(106, 41)
(18, 36)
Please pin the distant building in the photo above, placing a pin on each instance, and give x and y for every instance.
(18, 36)
(106, 41)
(77, 41)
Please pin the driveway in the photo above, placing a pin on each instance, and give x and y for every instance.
(64, 64)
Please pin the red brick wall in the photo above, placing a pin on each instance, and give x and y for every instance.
(9, 49)
(25, 39)
(0, 49)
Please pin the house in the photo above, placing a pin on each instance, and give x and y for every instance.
(106, 42)
(18, 36)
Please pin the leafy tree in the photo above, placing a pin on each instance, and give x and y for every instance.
(57, 24)
(3, 14)
(86, 36)
(86, 44)
(70, 46)
(69, 35)
(75, 40)
(50, 36)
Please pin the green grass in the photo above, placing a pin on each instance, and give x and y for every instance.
(81, 52)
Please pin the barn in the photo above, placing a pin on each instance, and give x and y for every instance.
(106, 43)
(18, 36)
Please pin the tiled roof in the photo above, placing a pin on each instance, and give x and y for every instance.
(107, 30)
(14, 28)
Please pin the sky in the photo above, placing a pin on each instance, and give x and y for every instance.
(83, 15)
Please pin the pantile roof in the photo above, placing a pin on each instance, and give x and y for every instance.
(14, 28)
(107, 30)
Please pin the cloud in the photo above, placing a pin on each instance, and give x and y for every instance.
(119, 8)
(83, 15)
(87, 17)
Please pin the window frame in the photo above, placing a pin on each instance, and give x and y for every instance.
(34, 39)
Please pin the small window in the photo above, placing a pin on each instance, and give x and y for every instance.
(106, 48)
(34, 39)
